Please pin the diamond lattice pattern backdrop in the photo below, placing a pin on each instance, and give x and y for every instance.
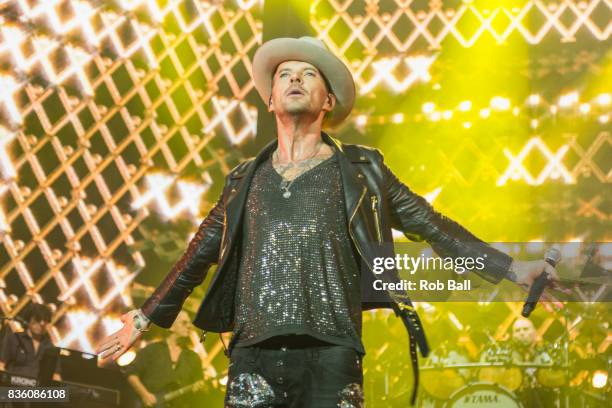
(113, 111)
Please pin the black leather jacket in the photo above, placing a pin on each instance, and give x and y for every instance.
(376, 201)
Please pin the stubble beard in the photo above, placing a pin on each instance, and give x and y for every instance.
(299, 108)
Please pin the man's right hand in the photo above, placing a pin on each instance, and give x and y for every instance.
(120, 341)
(148, 399)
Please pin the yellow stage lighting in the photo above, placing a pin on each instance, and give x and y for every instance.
(10, 86)
(603, 99)
(224, 109)
(533, 99)
(80, 321)
(585, 108)
(569, 99)
(385, 68)
(126, 358)
(554, 169)
(158, 185)
(600, 379)
(151, 6)
(420, 66)
(87, 270)
(361, 120)
(4, 227)
(485, 113)
(432, 195)
(428, 107)
(7, 170)
(465, 106)
(500, 103)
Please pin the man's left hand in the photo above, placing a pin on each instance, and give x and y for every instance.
(524, 273)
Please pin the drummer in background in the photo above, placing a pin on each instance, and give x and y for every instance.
(527, 350)
(524, 336)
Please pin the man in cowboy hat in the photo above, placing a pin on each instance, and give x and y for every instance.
(293, 235)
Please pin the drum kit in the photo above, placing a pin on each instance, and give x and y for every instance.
(472, 368)
(571, 371)
(501, 378)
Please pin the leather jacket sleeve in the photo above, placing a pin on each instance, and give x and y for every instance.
(415, 217)
(190, 270)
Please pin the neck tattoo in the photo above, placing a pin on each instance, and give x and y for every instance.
(298, 168)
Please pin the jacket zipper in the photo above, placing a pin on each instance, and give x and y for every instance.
(376, 219)
(396, 301)
(350, 229)
(223, 235)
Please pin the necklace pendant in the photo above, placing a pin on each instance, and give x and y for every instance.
(287, 194)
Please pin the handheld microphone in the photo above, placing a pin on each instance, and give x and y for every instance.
(552, 257)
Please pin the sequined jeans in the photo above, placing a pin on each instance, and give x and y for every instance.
(313, 377)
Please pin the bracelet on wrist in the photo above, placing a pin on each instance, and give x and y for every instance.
(141, 322)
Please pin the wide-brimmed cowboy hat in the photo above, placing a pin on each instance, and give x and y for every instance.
(312, 51)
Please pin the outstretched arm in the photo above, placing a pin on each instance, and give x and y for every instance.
(164, 304)
(413, 215)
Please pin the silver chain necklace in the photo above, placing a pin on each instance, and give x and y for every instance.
(286, 184)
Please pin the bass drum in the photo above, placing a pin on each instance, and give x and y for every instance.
(483, 395)
(440, 382)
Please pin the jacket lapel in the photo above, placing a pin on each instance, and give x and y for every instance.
(352, 185)
(235, 205)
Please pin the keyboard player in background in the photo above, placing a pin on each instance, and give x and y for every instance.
(22, 352)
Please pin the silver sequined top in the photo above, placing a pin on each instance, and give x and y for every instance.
(298, 271)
